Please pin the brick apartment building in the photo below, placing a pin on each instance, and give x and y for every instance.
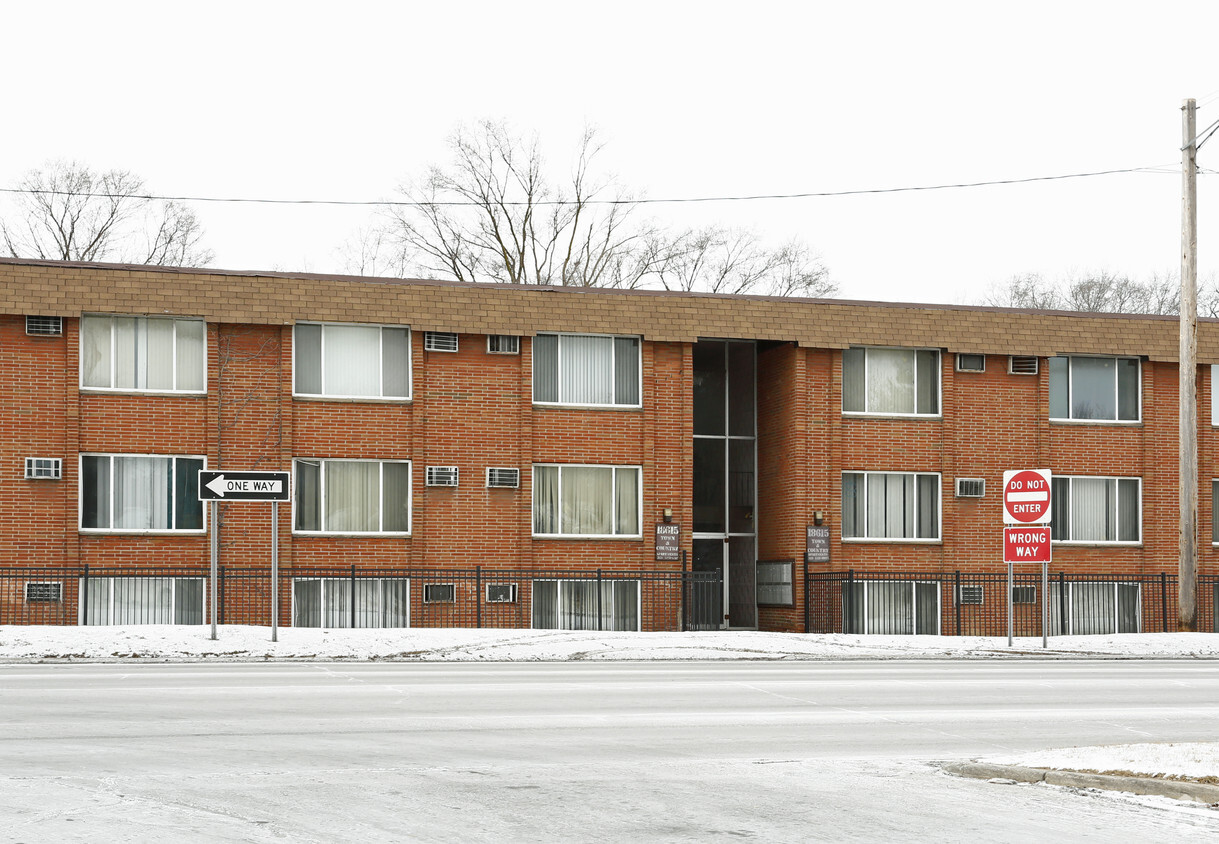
(539, 435)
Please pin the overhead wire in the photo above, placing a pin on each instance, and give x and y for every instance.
(639, 201)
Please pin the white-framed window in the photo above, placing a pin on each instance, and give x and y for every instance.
(970, 362)
(1096, 510)
(581, 605)
(891, 607)
(588, 501)
(352, 496)
(1095, 389)
(143, 354)
(891, 505)
(145, 493)
(503, 344)
(1095, 608)
(143, 600)
(340, 360)
(335, 601)
(891, 382)
(591, 370)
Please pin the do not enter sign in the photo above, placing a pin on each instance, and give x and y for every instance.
(1026, 496)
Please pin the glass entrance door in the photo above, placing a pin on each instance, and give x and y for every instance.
(725, 471)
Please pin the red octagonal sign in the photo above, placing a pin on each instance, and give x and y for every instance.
(1026, 496)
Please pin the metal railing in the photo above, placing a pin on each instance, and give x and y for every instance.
(975, 603)
(335, 597)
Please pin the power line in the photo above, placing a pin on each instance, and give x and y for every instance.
(1159, 168)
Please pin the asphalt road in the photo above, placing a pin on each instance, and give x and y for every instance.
(579, 752)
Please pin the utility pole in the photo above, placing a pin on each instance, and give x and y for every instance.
(1187, 574)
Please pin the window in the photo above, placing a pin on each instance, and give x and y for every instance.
(890, 505)
(891, 381)
(353, 496)
(775, 583)
(1215, 397)
(503, 344)
(1096, 509)
(896, 607)
(580, 605)
(334, 602)
(143, 353)
(586, 369)
(1215, 515)
(1094, 608)
(142, 600)
(600, 501)
(1094, 389)
(352, 361)
(120, 492)
(439, 341)
(971, 363)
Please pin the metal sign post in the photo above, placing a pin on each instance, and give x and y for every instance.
(1027, 499)
(227, 485)
(1045, 603)
(1011, 626)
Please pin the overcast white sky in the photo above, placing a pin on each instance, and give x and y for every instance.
(343, 100)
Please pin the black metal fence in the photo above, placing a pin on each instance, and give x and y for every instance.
(976, 604)
(351, 597)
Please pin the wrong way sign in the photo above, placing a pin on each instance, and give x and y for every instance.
(244, 486)
(1026, 496)
(1027, 545)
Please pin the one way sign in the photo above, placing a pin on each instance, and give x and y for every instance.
(244, 486)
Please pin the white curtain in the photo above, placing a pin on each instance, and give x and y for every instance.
(588, 500)
(126, 369)
(586, 368)
(142, 600)
(95, 351)
(545, 499)
(351, 363)
(627, 493)
(890, 381)
(353, 496)
(141, 493)
(192, 365)
(1093, 388)
(155, 354)
(1091, 509)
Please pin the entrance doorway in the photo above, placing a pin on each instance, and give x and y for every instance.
(725, 473)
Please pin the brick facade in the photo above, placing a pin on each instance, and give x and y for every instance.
(474, 409)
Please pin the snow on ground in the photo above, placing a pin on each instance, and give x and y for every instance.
(233, 642)
(1174, 759)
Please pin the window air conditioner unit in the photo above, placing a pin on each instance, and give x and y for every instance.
(1024, 594)
(439, 341)
(971, 487)
(501, 593)
(503, 344)
(503, 478)
(43, 592)
(442, 476)
(43, 468)
(969, 596)
(1022, 365)
(439, 593)
(45, 326)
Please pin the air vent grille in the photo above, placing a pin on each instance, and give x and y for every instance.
(1022, 365)
(442, 476)
(970, 596)
(971, 487)
(43, 592)
(439, 593)
(503, 344)
(440, 341)
(503, 477)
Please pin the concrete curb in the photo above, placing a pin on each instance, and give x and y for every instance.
(1176, 789)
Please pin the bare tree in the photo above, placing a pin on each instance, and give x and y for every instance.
(68, 212)
(493, 215)
(1095, 292)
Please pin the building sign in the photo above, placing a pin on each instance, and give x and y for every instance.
(668, 542)
(817, 544)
